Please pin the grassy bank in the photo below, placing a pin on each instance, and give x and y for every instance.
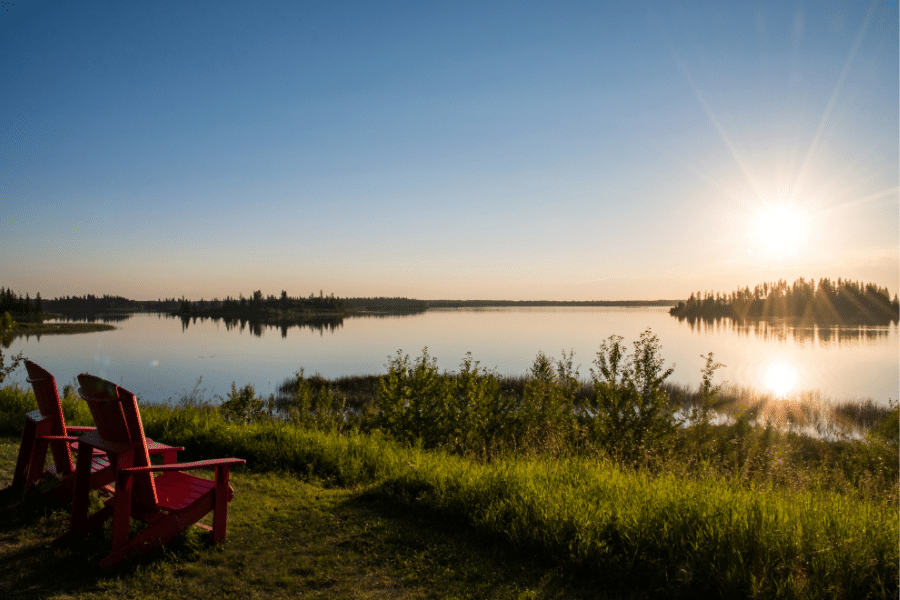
(19, 329)
(36, 325)
(665, 527)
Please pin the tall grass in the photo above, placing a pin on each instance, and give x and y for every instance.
(665, 533)
(16, 401)
(670, 534)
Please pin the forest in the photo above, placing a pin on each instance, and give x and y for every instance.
(21, 307)
(825, 302)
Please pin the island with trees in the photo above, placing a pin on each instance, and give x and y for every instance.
(826, 303)
(26, 316)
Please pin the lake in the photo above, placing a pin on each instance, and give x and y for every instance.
(160, 358)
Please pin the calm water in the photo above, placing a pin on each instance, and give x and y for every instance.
(158, 358)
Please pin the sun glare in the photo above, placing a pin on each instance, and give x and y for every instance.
(780, 378)
(779, 232)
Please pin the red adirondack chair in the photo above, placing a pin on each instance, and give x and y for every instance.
(169, 502)
(46, 428)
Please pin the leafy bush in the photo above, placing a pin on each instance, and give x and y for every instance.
(547, 413)
(14, 403)
(633, 410)
(469, 414)
(242, 406)
(414, 399)
(312, 402)
(6, 370)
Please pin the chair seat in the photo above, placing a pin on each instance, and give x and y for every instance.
(99, 461)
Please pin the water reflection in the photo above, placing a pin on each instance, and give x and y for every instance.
(317, 323)
(91, 317)
(163, 355)
(780, 378)
(781, 330)
(256, 327)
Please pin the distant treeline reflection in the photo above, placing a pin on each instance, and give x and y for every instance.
(784, 329)
(317, 313)
(318, 323)
(805, 303)
(256, 326)
(93, 317)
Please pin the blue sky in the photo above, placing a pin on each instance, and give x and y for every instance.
(446, 150)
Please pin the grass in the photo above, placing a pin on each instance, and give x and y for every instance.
(375, 519)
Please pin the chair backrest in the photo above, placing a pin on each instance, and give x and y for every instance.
(102, 398)
(118, 419)
(44, 386)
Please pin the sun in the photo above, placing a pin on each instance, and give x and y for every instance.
(779, 232)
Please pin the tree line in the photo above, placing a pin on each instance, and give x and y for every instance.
(257, 304)
(21, 306)
(515, 303)
(90, 303)
(823, 302)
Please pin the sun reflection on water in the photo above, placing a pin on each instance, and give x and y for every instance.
(780, 377)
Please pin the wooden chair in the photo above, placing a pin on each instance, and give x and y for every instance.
(168, 503)
(46, 428)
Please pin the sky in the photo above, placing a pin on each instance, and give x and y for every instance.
(446, 150)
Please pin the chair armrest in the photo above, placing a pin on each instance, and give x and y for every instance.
(65, 438)
(78, 429)
(159, 447)
(200, 464)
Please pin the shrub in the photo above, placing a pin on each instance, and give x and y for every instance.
(6, 370)
(242, 406)
(548, 405)
(413, 400)
(633, 410)
(311, 402)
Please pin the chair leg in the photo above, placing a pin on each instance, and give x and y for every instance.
(81, 494)
(170, 457)
(157, 533)
(26, 449)
(121, 519)
(38, 460)
(220, 512)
